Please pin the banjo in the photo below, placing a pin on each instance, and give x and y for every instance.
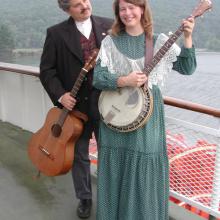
(128, 108)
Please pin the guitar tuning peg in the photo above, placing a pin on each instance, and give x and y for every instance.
(170, 33)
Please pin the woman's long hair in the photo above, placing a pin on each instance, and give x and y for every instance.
(146, 18)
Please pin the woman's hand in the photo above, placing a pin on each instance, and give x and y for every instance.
(188, 26)
(133, 79)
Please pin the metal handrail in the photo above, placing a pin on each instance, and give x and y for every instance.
(22, 69)
(179, 103)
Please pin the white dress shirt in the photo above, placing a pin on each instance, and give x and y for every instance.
(85, 27)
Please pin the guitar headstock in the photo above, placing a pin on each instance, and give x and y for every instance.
(90, 63)
(202, 7)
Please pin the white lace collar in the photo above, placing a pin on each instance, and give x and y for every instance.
(120, 64)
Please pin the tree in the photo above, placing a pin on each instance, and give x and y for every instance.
(214, 44)
(6, 39)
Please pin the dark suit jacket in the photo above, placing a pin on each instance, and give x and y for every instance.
(62, 60)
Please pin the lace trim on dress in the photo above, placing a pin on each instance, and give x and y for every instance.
(117, 63)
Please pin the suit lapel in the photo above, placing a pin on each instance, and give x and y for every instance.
(99, 30)
(71, 37)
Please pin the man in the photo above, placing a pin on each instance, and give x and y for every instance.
(67, 46)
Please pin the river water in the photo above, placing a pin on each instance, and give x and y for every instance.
(203, 87)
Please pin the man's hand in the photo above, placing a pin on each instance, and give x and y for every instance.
(68, 101)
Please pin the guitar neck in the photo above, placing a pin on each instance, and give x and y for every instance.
(78, 82)
(163, 50)
(89, 64)
(73, 93)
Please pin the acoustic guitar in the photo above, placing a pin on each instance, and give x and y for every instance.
(51, 148)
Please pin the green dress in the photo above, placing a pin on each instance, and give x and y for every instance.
(133, 173)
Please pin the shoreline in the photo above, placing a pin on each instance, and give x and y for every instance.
(27, 51)
(37, 51)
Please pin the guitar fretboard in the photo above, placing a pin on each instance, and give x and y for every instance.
(73, 92)
(87, 67)
(78, 82)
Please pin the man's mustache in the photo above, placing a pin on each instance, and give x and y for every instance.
(85, 9)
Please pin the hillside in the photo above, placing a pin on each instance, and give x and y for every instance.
(27, 20)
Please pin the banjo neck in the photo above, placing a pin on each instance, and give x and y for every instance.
(163, 50)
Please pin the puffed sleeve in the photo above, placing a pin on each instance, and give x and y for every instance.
(186, 61)
(103, 79)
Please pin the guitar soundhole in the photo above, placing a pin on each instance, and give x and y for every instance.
(56, 130)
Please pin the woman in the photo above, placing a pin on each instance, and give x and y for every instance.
(133, 180)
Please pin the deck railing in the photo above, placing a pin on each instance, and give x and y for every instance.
(193, 150)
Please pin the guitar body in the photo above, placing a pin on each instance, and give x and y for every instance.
(54, 155)
(51, 149)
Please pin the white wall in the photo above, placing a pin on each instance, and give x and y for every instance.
(23, 101)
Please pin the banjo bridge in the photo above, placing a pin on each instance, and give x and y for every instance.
(116, 109)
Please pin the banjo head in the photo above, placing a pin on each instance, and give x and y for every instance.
(125, 109)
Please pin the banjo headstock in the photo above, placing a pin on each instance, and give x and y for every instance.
(201, 8)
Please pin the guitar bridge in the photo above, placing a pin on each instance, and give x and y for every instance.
(45, 152)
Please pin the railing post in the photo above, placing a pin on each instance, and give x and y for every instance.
(216, 183)
(2, 101)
